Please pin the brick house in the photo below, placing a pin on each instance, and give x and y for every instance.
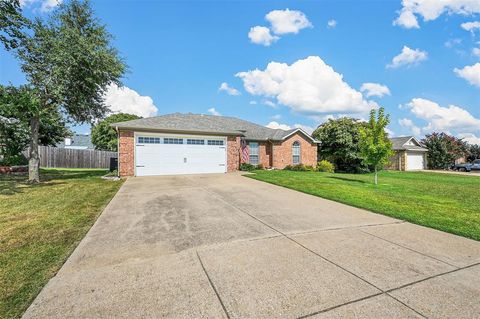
(409, 154)
(194, 144)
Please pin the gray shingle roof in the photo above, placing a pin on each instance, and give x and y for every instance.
(211, 124)
(398, 144)
(79, 140)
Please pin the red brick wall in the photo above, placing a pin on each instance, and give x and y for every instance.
(282, 152)
(126, 160)
(264, 153)
(233, 153)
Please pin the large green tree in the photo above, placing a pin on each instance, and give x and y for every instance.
(16, 104)
(69, 61)
(375, 146)
(473, 152)
(104, 137)
(443, 149)
(339, 144)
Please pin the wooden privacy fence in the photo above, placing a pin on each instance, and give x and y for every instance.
(74, 158)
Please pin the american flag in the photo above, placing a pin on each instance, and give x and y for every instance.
(244, 146)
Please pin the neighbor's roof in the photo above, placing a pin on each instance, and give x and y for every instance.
(400, 144)
(79, 140)
(210, 124)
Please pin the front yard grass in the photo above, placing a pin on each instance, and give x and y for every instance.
(40, 225)
(442, 201)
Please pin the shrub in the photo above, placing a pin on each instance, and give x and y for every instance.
(260, 166)
(325, 166)
(247, 167)
(300, 168)
(14, 160)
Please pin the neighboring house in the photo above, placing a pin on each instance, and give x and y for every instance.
(194, 144)
(410, 154)
(77, 141)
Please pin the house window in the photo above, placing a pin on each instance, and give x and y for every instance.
(296, 153)
(195, 142)
(253, 153)
(215, 142)
(148, 140)
(169, 140)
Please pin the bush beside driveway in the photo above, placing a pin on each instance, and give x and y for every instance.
(40, 225)
(441, 201)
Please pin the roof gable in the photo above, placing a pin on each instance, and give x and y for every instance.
(406, 143)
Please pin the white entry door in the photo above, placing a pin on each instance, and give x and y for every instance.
(415, 161)
(173, 155)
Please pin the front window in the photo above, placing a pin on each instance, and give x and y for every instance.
(253, 153)
(296, 153)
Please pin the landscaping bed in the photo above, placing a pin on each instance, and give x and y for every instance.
(441, 201)
(40, 225)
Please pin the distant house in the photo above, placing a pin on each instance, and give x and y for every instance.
(410, 154)
(77, 141)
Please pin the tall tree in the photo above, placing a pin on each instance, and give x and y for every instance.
(339, 144)
(17, 103)
(69, 61)
(375, 147)
(104, 137)
(473, 152)
(12, 24)
(443, 149)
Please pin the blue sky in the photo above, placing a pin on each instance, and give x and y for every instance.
(180, 52)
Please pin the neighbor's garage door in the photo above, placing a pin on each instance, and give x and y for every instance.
(171, 155)
(415, 161)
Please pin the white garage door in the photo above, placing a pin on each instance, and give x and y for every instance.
(172, 155)
(415, 161)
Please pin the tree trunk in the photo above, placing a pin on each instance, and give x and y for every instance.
(376, 176)
(34, 159)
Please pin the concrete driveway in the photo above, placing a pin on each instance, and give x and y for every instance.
(226, 246)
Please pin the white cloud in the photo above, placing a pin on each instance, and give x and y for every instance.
(269, 103)
(126, 100)
(470, 138)
(286, 127)
(441, 118)
(432, 9)
(389, 132)
(253, 102)
(262, 35)
(43, 5)
(276, 125)
(407, 20)
(287, 21)
(471, 26)
(471, 73)
(230, 90)
(476, 52)
(213, 111)
(276, 117)
(408, 57)
(410, 125)
(306, 86)
(332, 24)
(375, 89)
(452, 42)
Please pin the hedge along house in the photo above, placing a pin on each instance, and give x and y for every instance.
(194, 144)
(409, 155)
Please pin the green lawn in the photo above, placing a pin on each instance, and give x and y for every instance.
(443, 201)
(41, 225)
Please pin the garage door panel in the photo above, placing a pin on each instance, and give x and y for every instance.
(415, 161)
(173, 159)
